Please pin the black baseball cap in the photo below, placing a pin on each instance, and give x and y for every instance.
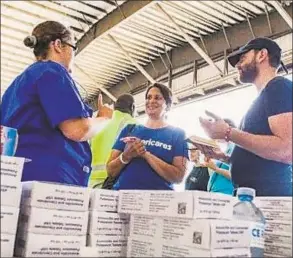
(258, 44)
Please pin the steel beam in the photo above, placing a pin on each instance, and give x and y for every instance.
(106, 92)
(137, 65)
(103, 26)
(195, 46)
(288, 19)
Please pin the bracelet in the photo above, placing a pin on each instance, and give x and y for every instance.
(227, 134)
(121, 159)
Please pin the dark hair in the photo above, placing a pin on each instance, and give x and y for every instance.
(43, 34)
(125, 104)
(230, 122)
(165, 91)
(274, 60)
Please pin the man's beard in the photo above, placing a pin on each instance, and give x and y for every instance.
(248, 73)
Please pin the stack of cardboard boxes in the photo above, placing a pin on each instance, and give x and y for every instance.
(107, 230)
(53, 220)
(278, 232)
(11, 171)
(183, 224)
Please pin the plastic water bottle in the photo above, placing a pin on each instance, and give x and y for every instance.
(245, 209)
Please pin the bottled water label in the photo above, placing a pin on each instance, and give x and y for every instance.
(257, 235)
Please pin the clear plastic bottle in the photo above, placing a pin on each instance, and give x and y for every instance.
(246, 210)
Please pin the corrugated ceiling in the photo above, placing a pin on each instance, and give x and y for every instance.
(146, 35)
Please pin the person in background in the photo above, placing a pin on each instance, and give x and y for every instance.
(220, 176)
(102, 143)
(199, 176)
(44, 105)
(262, 157)
(154, 155)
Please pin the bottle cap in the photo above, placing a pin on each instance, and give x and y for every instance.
(246, 191)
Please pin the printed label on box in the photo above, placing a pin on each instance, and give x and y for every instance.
(10, 192)
(212, 205)
(278, 249)
(39, 245)
(107, 223)
(274, 203)
(159, 203)
(59, 222)
(104, 200)
(116, 246)
(278, 237)
(9, 217)
(7, 245)
(277, 215)
(55, 196)
(278, 225)
(12, 167)
(143, 247)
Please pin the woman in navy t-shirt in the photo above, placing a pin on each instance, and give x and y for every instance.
(155, 155)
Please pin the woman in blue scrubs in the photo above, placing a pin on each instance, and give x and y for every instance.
(44, 105)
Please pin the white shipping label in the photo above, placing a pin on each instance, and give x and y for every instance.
(277, 215)
(278, 237)
(107, 223)
(230, 234)
(257, 234)
(278, 225)
(278, 249)
(182, 251)
(212, 205)
(55, 196)
(159, 203)
(12, 167)
(143, 247)
(59, 222)
(9, 217)
(274, 203)
(147, 226)
(7, 245)
(39, 245)
(10, 192)
(104, 200)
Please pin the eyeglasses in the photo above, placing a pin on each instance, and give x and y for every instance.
(75, 48)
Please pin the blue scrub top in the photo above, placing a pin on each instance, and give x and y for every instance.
(36, 102)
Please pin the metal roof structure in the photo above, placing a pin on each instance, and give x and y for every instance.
(123, 45)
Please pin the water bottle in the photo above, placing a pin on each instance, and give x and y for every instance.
(245, 209)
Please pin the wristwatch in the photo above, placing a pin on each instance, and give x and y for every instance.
(121, 159)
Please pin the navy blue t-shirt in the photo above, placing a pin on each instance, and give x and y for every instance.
(36, 102)
(165, 143)
(267, 177)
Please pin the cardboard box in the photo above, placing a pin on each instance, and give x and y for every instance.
(104, 200)
(209, 205)
(196, 233)
(7, 245)
(55, 196)
(9, 217)
(57, 222)
(279, 225)
(108, 246)
(158, 203)
(38, 245)
(274, 203)
(283, 250)
(10, 191)
(107, 223)
(12, 167)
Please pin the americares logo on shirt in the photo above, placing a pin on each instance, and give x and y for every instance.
(159, 144)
